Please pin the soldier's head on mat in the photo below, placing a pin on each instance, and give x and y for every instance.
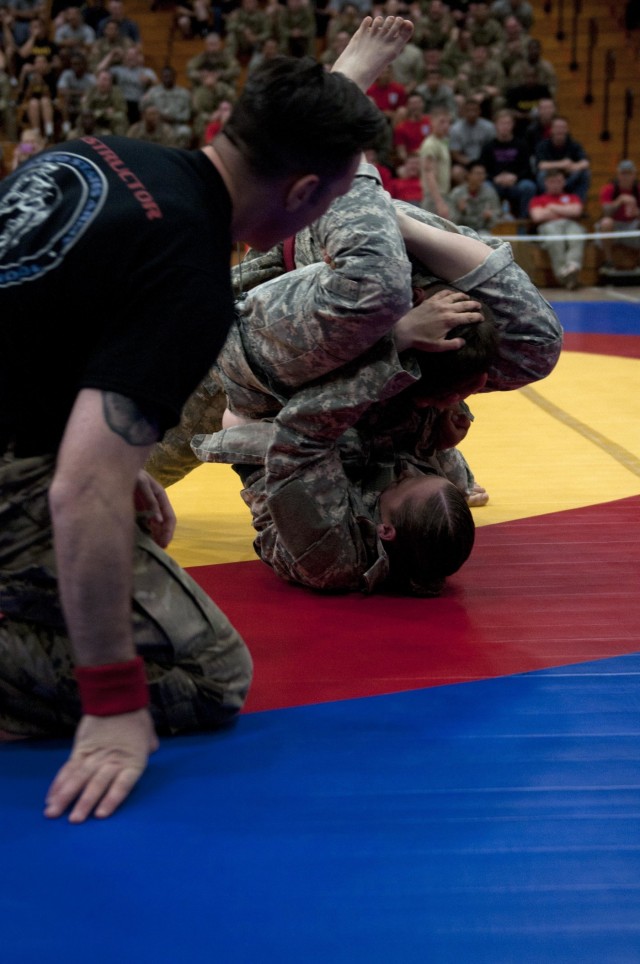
(428, 531)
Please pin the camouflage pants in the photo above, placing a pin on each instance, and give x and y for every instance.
(197, 666)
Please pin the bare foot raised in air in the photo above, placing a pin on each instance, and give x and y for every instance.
(374, 45)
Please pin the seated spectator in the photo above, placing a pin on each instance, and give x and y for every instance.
(36, 96)
(174, 103)
(409, 133)
(407, 184)
(108, 49)
(456, 56)
(514, 47)
(486, 30)
(128, 27)
(215, 56)
(556, 212)
(85, 125)
(347, 17)
(333, 50)
(296, 30)
(561, 152)
(545, 72)
(433, 27)
(18, 15)
(267, 50)
(134, 79)
(484, 80)
(523, 99)
(467, 137)
(387, 94)
(620, 206)
(39, 41)
(206, 98)
(507, 164)
(437, 94)
(74, 33)
(539, 127)
(408, 67)
(193, 18)
(73, 83)
(152, 128)
(435, 164)
(475, 203)
(247, 27)
(106, 101)
(520, 9)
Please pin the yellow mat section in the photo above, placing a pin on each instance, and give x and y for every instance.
(571, 440)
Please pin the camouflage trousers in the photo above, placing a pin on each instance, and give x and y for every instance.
(198, 667)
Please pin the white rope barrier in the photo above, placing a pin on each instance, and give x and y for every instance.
(595, 236)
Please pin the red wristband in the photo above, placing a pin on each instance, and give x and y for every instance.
(112, 689)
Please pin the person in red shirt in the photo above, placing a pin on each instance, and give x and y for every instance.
(407, 186)
(556, 213)
(387, 93)
(411, 130)
(620, 205)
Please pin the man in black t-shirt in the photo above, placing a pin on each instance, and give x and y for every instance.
(507, 164)
(131, 242)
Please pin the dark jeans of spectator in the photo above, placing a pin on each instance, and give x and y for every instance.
(518, 196)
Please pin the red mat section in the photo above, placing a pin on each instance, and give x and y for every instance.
(627, 346)
(544, 591)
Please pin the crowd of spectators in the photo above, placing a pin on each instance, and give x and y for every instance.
(473, 128)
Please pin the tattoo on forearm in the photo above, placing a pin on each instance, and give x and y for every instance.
(125, 419)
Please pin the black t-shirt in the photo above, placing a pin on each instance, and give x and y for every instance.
(114, 275)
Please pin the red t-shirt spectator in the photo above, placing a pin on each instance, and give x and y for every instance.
(411, 133)
(388, 97)
(407, 189)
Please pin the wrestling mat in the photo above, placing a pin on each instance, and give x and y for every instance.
(434, 781)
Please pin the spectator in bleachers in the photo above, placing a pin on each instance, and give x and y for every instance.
(347, 17)
(556, 212)
(31, 142)
(467, 137)
(545, 72)
(407, 184)
(267, 50)
(36, 96)
(134, 79)
(486, 30)
(193, 18)
(484, 81)
(152, 128)
(520, 9)
(456, 56)
(620, 209)
(217, 121)
(560, 151)
(408, 67)
(174, 103)
(109, 49)
(523, 100)
(19, 15)
(73, 83)
(94, 12)
(540, 126)
(297, 29)
(128, 27)
(432, 28)
(411, 130)
(38, 42)
(436, 93)
(435, 164)
(106, 101)
(214, 55)
(85, 125)
(247, 27)
(508, 166)
(387, 94)
(514, 48)
(475, 202)
(206, 98)
(73, 33)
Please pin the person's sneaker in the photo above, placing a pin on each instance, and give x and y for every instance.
(570, 275)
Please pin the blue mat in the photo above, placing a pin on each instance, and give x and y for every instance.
(494, 821)
(599, 317)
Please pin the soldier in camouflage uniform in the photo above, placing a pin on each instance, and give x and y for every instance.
(530, 333)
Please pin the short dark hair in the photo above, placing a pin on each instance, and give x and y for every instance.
(442, 373)
(434, 538)
(295, 117)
